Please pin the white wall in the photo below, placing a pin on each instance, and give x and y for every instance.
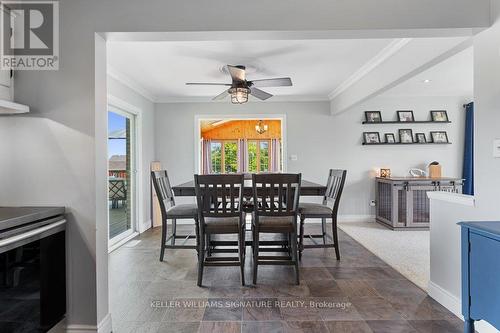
(58, 148)
(445, 255)
(322, 141)
(487, 117)
(445, 271)
(146, 107)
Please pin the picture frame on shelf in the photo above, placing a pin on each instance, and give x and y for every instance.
(373, 117)
(420, 138)
(390, 138)
(439, 137)
(406, 135)
(439, 116)
(406, 116)
(370, 138)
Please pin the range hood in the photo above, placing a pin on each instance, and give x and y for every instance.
(8, 107)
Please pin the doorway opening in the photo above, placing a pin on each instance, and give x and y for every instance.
(235, 144)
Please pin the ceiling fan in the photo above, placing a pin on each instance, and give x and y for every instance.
(240, 88)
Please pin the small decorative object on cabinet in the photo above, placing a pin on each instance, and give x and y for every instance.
(385, 173)
(415, 172)
(402, 203)
(480, 271)
(435, 170)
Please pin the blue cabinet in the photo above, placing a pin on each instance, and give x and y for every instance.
(480, 273)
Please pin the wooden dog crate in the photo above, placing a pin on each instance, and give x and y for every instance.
(402, 203)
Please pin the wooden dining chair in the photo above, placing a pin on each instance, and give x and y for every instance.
(276, 203)
(328, 209)
(171, 211)
(219, 199)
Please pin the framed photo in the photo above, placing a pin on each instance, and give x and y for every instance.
(390, 138)
(373, 117)
(439, 137)
(406, 116)
(421, 138)
(371, 137)
(439, 115)
(405, 135)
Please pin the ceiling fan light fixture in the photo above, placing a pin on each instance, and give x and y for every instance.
(239, 95)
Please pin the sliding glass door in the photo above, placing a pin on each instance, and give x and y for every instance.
(121, 174)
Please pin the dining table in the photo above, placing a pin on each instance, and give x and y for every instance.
(307, 188)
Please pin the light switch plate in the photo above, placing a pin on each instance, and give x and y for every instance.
(293, 157)
(496, 148)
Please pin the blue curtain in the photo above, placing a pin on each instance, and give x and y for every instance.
(468, 167)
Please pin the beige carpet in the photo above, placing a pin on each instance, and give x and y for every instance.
(405, 251)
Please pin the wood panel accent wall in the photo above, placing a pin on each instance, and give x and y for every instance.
(244, 129)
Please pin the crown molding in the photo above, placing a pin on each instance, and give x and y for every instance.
(130, 83)
(387, 52)
(208, 99)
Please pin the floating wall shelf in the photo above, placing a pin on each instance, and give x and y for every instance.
(400, 143)
(406, 122)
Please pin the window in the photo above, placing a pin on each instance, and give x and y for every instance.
(258, 156)
(216, 153)
(230, 156)
(224, 157)
(252, 156)
(264, 155)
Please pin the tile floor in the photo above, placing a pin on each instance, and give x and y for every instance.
(359, 293)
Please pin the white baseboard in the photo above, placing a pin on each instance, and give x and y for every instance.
(449, 301)
(454, 305)
(103, 327)
(144, 226)
(81, 329)
(123, 241)
(356, 218)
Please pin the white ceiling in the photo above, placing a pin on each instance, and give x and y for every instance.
(452, 77)
(317, 67)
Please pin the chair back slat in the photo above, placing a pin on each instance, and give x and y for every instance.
(334, 187)
(219, 195)
(163, 190)
(280, 198)
(276, 194)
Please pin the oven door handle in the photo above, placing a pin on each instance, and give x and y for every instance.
(30, 234)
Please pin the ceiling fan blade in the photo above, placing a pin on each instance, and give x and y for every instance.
(260, 94)
(221, 96)
(207, 84)
(278, 82)
(236, 73)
